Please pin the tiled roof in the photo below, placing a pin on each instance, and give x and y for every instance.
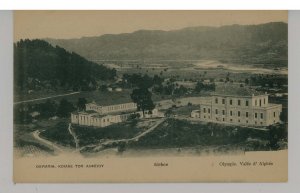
(235, 90)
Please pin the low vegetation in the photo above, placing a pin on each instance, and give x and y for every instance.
(179, 134)
(91, 135)
(59, 134)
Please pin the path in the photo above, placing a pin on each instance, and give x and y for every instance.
(38, 99)
(76, 140)
(36, 135)
(136, 138)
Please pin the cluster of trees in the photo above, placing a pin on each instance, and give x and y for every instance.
(270, 80)
(39, 64)
(140, 93)
(171, 88)
(142, 81)
(277, 133)
(23, 113)
(200, 86)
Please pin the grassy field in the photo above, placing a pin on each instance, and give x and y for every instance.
(125, 130)
(25, 144)
(189, 73)
(58, 133)
(180, 134)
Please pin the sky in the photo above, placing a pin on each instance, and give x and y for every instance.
(77, 24)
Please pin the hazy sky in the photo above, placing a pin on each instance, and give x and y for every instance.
(76, 24)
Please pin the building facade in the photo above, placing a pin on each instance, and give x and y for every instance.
(111, 108)
(247, 109)
(94, 119)
(102, 116)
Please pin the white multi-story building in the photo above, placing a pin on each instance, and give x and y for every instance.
(241, 106)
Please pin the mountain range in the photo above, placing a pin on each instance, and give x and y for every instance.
(244, 44)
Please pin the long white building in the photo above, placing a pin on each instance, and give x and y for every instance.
(111, 108)
(102, 116)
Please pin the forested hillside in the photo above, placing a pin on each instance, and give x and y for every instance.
(37, 65)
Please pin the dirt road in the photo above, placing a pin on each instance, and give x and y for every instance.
(36, 135)
(50, 97)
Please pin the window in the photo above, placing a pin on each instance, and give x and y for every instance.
(264, 101)
(274, 114)
(239, 102)
(216, 111)
(230, 120)
(230, 101)
(239, 113)
(223, 119)
(260, 102)
(216, 100)
(247, 103)
(204, 110)
(204, 116)
(230, 113)
(261, 115)
(223, 101)
(247, 114)
(223, 112)
(255, 102)
(255, 115)
(208, 110)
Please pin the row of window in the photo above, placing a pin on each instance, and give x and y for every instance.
(238, 113)
(231, 102)
(122, 106)
(239, 102)
(83, 118)
(114, 107)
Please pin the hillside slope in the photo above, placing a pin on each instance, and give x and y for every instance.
(254, 44)
(38, 64)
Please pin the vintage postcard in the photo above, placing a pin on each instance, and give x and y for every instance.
(150, 96)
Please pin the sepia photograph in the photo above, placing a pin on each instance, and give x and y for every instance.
(150, 96)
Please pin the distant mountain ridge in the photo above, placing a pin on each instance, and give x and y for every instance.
(252, 44)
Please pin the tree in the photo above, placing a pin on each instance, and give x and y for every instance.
(81, 104)
(199, 87)
(47, 109)
(65, 108)
(276, 133)
(247, 81)
(142, 97)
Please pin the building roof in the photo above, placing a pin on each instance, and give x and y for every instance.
(108, 98)
(99, 116)
(108, 104)
(235, 90)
